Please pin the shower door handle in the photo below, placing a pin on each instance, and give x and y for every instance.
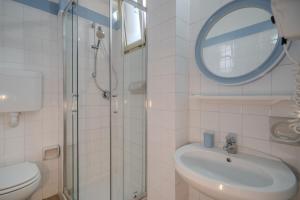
(115, 104)
(74, 102)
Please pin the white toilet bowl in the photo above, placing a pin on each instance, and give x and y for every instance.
(18, 182)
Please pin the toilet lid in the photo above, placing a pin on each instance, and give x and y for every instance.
(12, 176)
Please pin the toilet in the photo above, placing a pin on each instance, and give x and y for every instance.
(18, 182)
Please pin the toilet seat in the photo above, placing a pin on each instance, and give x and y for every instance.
(17, 177)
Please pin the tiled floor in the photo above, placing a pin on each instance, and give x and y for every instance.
(53, 198)
(57, 198)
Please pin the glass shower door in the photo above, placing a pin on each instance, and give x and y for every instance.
(134, 133)
(128, 109)
(70, 21)
(105, 138)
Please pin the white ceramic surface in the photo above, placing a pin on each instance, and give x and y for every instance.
(18, 182)
(20, 90)
(246, 177)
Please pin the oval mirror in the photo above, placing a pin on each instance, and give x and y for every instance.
(239, 43)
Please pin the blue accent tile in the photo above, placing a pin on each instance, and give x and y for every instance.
(240, 33)
(63, 4)
(54, 8)
(44, 5)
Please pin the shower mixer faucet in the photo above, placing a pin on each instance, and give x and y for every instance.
(106, 94)
(231, 144)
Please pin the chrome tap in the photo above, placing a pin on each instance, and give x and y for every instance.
(231, 144)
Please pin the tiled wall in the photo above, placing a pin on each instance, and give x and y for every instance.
(168, 94)
(94, 110)
(182, 87)
(99, 6)
(29, 40)
(161, 92)
(250, 122)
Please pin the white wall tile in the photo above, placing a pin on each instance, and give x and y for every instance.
(182, 10)
(229, 90)
(168, 88)
(32, 44)
(194, 118)
(230, 108)
(182, 29)
(257, 144)
(283, 80)
(195, 134)
(257, 109)
(165, 11)
(210, 121)
(209, 87)
(256, 126)
(261, 86)
(231, 123)
(208, 9)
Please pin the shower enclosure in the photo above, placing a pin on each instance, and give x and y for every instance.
(105, 99)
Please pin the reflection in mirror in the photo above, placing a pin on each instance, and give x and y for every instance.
(238, 43)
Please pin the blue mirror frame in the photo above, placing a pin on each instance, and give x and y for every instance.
(274, 58)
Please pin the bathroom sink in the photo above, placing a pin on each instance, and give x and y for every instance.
(236, 177)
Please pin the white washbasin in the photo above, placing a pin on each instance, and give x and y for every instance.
(243, 177)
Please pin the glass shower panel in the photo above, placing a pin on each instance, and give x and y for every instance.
(70, 103)
(128, 116)
(135, 124)
(134, 116)
(117, 61)
(93, 107)
(105, 114)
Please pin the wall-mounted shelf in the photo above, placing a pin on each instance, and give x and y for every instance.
(265, 99)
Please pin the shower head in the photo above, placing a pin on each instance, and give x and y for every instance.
(100, 33)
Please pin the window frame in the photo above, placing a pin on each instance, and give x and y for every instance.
(142, 18)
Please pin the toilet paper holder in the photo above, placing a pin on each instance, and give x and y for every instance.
(51, 152)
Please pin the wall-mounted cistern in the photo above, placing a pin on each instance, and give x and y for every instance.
(14, 99)
(231, 144)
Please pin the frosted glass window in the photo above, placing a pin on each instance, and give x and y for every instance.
(134, 25)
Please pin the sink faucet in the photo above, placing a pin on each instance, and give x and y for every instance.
(230, 146)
